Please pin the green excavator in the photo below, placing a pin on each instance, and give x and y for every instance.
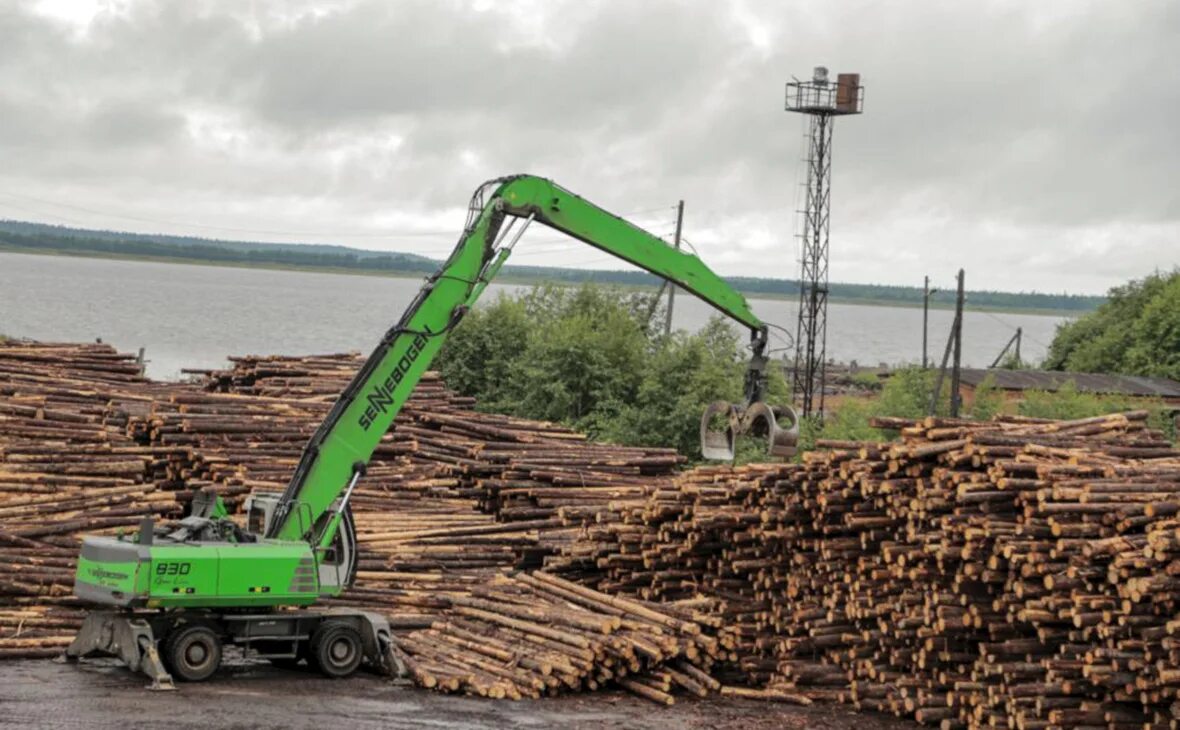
(174, 595)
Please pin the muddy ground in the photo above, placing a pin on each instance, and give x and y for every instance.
(99, 694)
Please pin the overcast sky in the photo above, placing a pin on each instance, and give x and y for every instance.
(1033, 143)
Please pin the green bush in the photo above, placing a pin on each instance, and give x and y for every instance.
(586, 357)
(989, 400)
(1069, 403)
(1137, 332)
(1012, 362)
(867, 379)
(849, 422)
(905, 394)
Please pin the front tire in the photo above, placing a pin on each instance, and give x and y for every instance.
(193, 653)
(336, 649)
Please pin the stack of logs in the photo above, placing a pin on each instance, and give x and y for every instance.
(1016, 573)
(66, 468)
(535, 633)
(145, 447)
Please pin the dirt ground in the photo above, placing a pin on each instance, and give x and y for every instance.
(101, 694)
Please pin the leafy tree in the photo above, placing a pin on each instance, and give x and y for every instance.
(1137, 331)
(481, 354)
(1155, 349)
(683, 374)
(586, 357)
(907, 394)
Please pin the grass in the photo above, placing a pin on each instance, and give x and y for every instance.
(507, 278)
(907, 394)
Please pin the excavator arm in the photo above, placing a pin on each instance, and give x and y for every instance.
(314, 501)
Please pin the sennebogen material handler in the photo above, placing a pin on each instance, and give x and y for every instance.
(173, 595)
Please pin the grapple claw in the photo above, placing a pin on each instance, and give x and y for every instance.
(761, 419)
(718, 443)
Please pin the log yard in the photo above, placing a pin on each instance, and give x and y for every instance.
(455, 364)
(1017, 573)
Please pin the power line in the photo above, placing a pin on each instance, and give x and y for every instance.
(1024, 331)
(1006, 324)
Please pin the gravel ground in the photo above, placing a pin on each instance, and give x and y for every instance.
(101, 694)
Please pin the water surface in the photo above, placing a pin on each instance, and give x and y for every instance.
(194, 316)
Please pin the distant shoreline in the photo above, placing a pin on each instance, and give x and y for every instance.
(507, 278)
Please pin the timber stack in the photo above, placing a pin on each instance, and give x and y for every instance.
(534, 634)
(88, 446)
(67, 468)
(1014, 573)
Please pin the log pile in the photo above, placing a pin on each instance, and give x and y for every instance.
(534, 634)
(1011, 574)
(88, 446)
(1016, 573)
(66, 469)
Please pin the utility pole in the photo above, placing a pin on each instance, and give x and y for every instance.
(1014, 341)
(926, 294)
(956, 398)
(953, 342)
(672, 287)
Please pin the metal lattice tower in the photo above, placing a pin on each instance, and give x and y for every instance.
(821, 100)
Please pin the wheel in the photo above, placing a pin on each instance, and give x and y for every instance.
(336, 649)
(193, 652)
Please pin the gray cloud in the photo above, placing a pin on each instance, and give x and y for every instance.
(1032, 145)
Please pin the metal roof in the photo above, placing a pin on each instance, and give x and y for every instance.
(1135, 385)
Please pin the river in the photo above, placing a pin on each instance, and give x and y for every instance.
(194, 316)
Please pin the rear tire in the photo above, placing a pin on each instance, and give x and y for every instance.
(336, 649)
(193, 652)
